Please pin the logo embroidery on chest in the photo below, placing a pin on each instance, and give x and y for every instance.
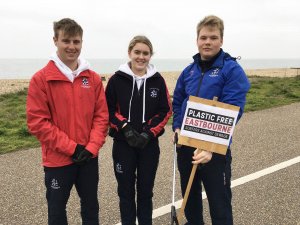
(154, 92)
(215, 72)
(85, 83)
(191, 72)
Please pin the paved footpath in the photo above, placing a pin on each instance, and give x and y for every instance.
(262, 139)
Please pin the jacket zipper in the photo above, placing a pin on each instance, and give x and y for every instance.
(200, 82)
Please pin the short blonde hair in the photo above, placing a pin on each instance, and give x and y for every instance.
(140, 39)
(211, 21)
(68, 26)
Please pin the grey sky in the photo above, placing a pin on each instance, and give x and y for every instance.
(253, 28)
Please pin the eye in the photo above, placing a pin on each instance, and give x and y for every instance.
(76, 42)
(66, 41)
(137, 52)
(146, 53)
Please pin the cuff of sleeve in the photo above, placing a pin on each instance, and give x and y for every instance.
(71, 148)
(92, 149)
(151, 135)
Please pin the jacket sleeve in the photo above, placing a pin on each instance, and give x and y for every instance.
(155, 126)
(115, 118)
(178, 98)
(235, 89)
(100, 121)
(39, 120)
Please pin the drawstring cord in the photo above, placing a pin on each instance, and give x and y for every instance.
(144, 94)
(133, 83)
(144, 100)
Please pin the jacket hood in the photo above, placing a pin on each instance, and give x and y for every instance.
(125, 68)
(82, 66)
(139, 81)
(219, 62)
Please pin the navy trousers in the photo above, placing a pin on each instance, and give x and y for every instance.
(216, 177)
(59, 182)
(135, 171)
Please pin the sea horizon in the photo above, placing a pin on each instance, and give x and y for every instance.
(25, 68)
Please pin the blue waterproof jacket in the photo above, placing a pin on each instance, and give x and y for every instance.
(225, 79)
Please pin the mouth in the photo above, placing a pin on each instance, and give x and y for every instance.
(140, 62)
(71, 54)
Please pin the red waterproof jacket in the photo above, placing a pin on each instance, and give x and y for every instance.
(62, 114)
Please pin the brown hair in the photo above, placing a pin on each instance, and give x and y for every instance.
(211, 21)
(140, 39)
(68, 26)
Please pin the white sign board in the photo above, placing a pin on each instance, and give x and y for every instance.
(208, 123)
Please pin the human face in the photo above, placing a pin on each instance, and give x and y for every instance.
(68, 49)
(140, 57)
(209, 42)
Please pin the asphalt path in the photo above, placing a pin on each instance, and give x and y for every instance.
(262, 140)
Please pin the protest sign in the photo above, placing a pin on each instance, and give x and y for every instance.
(208, 124)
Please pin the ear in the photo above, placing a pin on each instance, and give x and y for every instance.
(129, 55)
(221, 42)
(55, 41)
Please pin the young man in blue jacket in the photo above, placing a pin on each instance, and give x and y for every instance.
(213, 73)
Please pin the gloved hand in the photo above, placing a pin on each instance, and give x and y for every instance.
(79, 148)
(83, 157)
(175, 138)
(143, 140)
(131, 135)
(112, 132)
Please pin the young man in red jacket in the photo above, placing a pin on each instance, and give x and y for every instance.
(67, 112)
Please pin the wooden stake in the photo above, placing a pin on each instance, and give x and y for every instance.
(191, 179)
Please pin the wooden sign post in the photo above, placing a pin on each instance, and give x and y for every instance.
(207, 125)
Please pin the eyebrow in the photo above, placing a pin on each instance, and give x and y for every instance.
(68, 39)
(136, 50)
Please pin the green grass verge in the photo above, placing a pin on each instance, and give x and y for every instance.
(265, 93)
(269, 92)
(13, 129)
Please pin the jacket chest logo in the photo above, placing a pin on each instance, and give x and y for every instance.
(85, 83)
(214, 73)
(154, 92)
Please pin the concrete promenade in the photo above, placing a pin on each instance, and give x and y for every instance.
(262, 139)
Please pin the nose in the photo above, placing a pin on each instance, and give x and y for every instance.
(71, 45)
(207, 41)
(140, 56)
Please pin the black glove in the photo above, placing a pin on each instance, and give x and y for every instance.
(112, 132)
(79, 148)
(143, 140)
(131, 135)
(175, 138)
(83, 157)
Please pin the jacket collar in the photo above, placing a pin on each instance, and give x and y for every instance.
(53, 73)
(219, 62)
(130, 77)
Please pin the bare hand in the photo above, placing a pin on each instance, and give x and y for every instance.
(202, 157)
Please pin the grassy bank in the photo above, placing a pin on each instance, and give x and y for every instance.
(264, 93)
(268, 92)
(13, 129)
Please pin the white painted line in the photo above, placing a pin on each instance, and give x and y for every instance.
(253, 176)
(264, 172)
